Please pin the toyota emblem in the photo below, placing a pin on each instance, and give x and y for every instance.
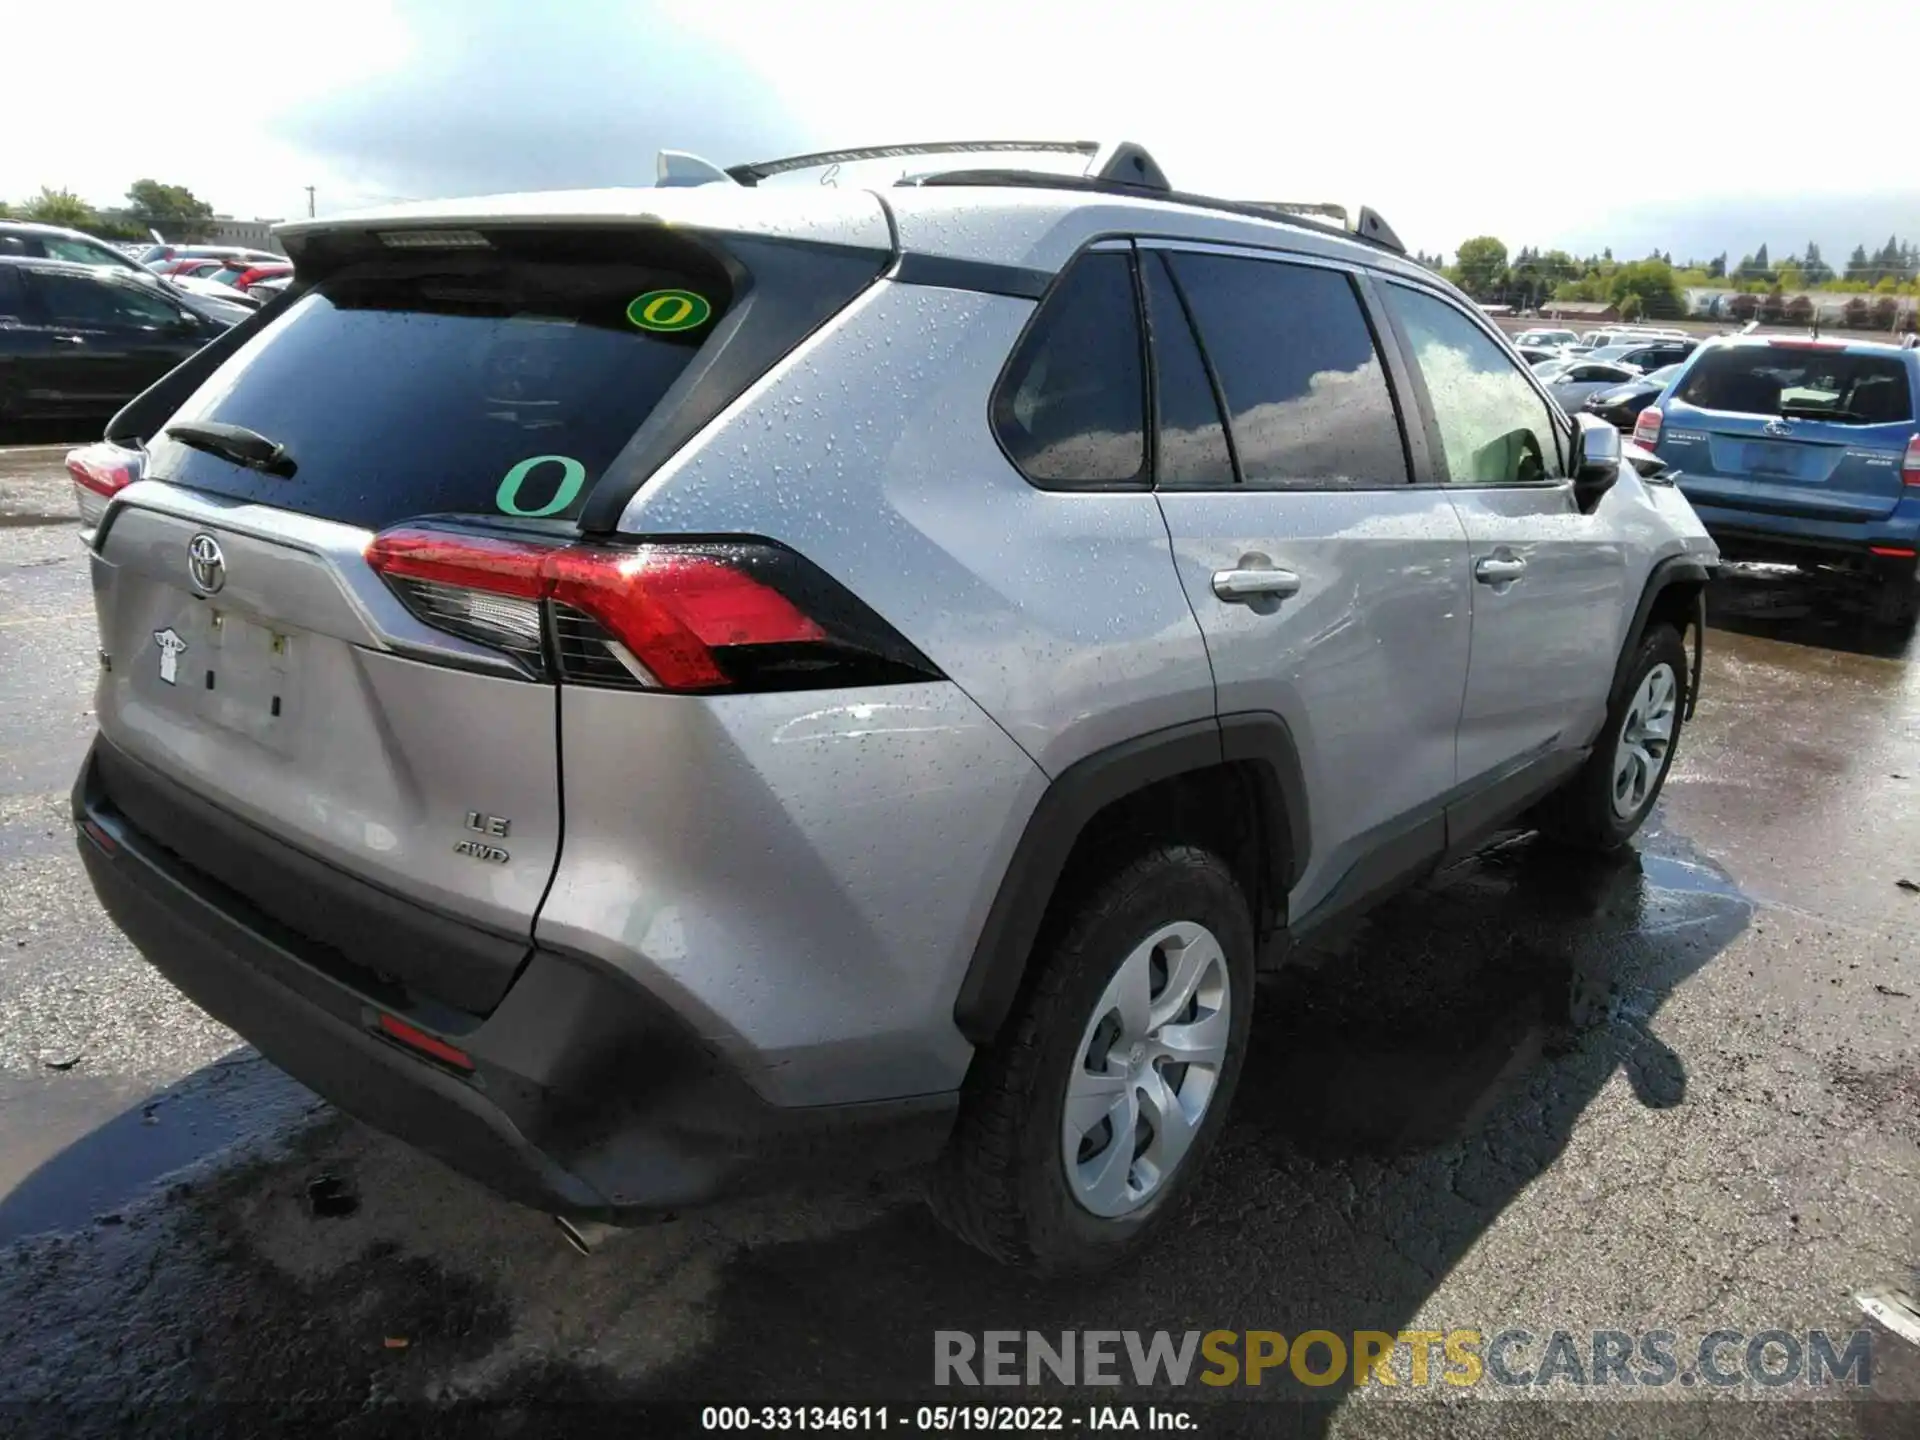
(1778, 427)
(206, 564)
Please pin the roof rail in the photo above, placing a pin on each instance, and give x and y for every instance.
(1121, 166)
(1120, 161)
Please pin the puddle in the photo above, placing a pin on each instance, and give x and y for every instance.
(95, 1145)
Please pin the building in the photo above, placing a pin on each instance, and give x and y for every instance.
(1585, 311)
(255, 234)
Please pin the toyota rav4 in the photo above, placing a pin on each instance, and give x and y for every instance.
(643, 693)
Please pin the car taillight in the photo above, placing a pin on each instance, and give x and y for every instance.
(705, 616)
(100, 472)
(1646, 430)
(1910, 464)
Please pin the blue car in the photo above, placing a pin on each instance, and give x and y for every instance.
(1803, 452)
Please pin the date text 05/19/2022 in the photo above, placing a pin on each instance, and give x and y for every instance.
(940, 1419)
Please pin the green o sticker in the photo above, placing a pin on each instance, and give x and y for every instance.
(669, 310)
(573, 475)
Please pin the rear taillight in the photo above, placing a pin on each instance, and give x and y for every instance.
(99, 473)
(1646, 430)
(1910, 464)
(704, 616)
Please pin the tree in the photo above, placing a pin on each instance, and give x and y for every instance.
(1859, 267)
(1482, 262)
(1887, 285)
(1632, 308)
(1853, 315)
(1885, 307)
(6, 211)
(1790, 276)
(1799, 310)
(1652, 283)
(1717, 267)
(1817, 271)
(59, 207)
(173, 210)
(1743, 306)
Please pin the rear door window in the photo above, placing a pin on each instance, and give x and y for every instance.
(1307, 398)
(1830, 385)
(475, 384)
(1071, 409)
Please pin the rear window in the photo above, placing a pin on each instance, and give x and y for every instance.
(1830, 385)
(472, 383)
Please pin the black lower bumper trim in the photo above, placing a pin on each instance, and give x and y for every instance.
(589, 1097)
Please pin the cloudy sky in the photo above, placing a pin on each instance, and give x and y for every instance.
(1448, 119)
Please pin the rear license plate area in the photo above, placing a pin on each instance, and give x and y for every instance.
(236, 672)
(1763, 457)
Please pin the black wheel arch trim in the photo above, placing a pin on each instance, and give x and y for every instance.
(1260, 740)
(1674, 570)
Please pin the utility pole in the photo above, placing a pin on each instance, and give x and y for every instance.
(309, 202)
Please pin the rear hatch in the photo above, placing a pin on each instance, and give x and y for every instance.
(1795, 429)
(404, 734)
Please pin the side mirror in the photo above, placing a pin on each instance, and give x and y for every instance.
(1596, 460)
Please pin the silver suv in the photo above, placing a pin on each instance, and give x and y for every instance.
(643, 693)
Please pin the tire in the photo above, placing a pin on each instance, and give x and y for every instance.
(1003, 1185)
(1896, 603)
(1601, 807)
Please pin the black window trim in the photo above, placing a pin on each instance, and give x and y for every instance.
(1206, 365)
(1563, 426)
(1391, 364)
(1142, 482)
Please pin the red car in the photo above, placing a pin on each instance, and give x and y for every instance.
(242, 273)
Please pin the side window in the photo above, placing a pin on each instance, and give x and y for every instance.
(84, 252)
(1071, 408)
(88, 300)
(1306, 394)
(1193, 452)
(12, 301)
(1494, 427)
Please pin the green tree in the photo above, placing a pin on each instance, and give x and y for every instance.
(1482, 263)
(59, 207)
(1884, 308)
(6, 211)
(1859, 267)
(173, 210)
(1799, 310)
(1652, 283)
(1887, 285)
(1817, 271)
(1854, 314)
(1632, 308)
(1717, 267)
(1791, 276)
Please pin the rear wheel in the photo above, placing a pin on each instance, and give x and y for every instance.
(1609, 798)
(1896, 602)
(1088, 1119)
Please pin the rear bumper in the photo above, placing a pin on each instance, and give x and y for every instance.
(588, 1097)
(1749, 535)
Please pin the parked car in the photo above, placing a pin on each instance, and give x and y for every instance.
(920, 820)
(1645, 355)
(159, 254)
(1620, 405)
(22, 239)
(1537, 354)
(1572, 382)
(26, 239)
(79, 339)
(1546, 339)
(1622, 335)
(1804, 452)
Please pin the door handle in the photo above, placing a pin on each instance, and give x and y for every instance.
(1240, 586)
(1499, 569)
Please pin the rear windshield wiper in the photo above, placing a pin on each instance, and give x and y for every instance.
(1820, 412)
(236, 443)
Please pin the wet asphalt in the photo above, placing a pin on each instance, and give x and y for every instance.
(1679, 1092)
